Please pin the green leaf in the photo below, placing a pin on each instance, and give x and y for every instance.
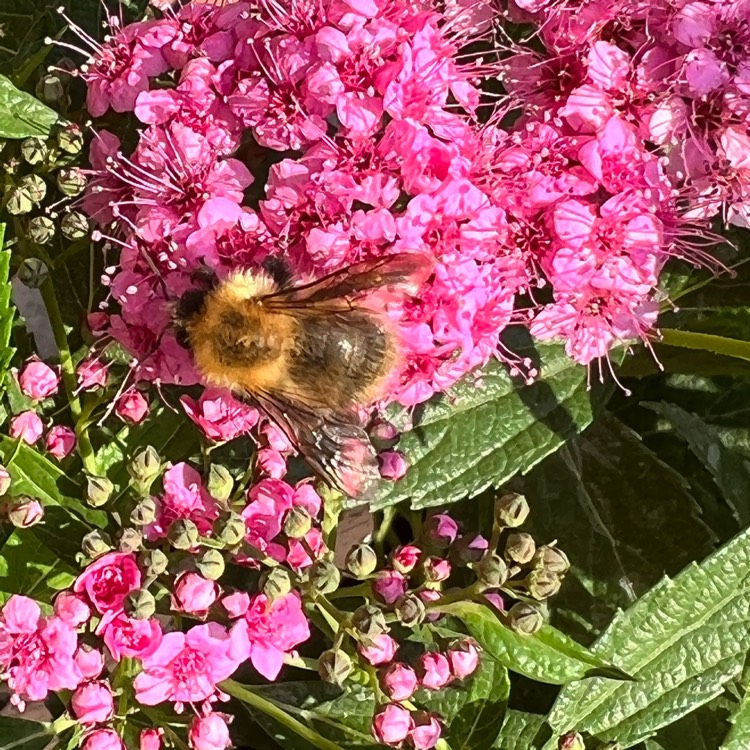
(7, 309)
(521, 731)
(724, 345)
(21, 115)
(738, 737)
(547, 656)
(21, 734)
(473, 713)
(683, 641)
(490, 427)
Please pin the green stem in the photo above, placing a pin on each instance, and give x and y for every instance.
(385, 526)
(349, 592)
(707, 342)
(246, 695)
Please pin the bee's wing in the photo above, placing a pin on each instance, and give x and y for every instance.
(332, 442)
(408, 269)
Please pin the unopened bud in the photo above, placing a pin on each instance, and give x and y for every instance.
(361, 561)
(51, 90)
(334, 666)
(34, 186)
(71, 181)
(25, 512)
(144, 513)
(41, 230)
(297, 522)
(511, 510)
(33, 272)
(571, 741)
(324, 576)
(98, 491)
(211, 564)
(369, 621)
(552, 559)
(520, 547)
(96, 543)
(232, 530)
(410, 610)
(18, 202)
(491, 570)
(183, 534)
(4, 480)
(220, 483)
(74, 225)
(525, 618)
(436, 569)
(70, 138)
(140, 604)
(34, 150)
(277, 583)
(144, 468)
(131, 540)
(153, 562)
(471, 548)
(542, 584)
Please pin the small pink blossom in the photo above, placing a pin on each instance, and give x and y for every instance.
(92, 374)
(380, 650)
(405, 558)
(434, 670)
(393, 465)
(60, 441)
(271, 462)
(26, 426)
(38, 380)
(392, 724)
(132, 407)
(442, 529)
(464, 658)
(25, 512)
(130, 638)
(436, 569)
(220, 415)
(108, 580)
(194, 594)
(90, 662)
(150, 739)
(93, 703)
(102, 739)
(72, 609)
(426, 732)
(399, 682)
(209, 732)
(236, 604)
(389, 585)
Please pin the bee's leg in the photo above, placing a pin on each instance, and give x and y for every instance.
(279, 270)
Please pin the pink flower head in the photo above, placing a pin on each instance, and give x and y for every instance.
(380, 650)
(274, 629)
(150, 739)
(108, 580)
(435, 670)
(392, 724)
(270, 499)
(92, 374)
(25, 512)
(426, 732)
(464, 658)
(36, 653)
(26, 426)
(389, 585)
(72, 609)
(236, 604)
(38, 380)
(132, 407)
(220, 415)
(271, 462)
(93, 703)
(209, 732)
(186, 667)
(90, 662)
(399, 682)
(194, 594)
(102, 739)
(130, 638)
(60, 441)
(393, 465)
(405, 558)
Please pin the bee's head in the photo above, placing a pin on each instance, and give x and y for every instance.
(186, 309)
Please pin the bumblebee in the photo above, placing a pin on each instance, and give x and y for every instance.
(309, 355)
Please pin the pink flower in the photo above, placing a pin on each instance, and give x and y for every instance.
(405, 558)
(464, 658)
(26, 426)
(392, 724)
(38, 380)
(393, 465)
(271, 462)
(194, 594)
(220, 415)
(270, 499)
(186, 667)
(236, 604)
(72, 609)
(274, 629)
(426, 732)
(209, 732)
(93, 703)
(92, 374)
(127, 637)
(380, 650)
(150, 739)
(60, 441)
(25, 512)
(399, 682)
(435, 670)
(108, 580)
(389, 585)
(36, 653)
(90, 662)
(132, 407)
(102, 739)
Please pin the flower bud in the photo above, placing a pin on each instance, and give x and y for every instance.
(571, 741)
(525, 618)
(392, 724)
(140, 604)
(520, 548)
(41, 230)
(491, 570)
(389, 585)
(369, 621)
(379, 649)
(33, 273)
(26, 426)
(511, 510)
(132, 407)
(297, 522)
(441, 530)
(236, 604)
(463, 656)
(361, 561)
(150, 739)
(144, 513)
(277, 583)
(426, 732)
(220, 483)
(96, 543)
(144, 468)
(542, 584)
(231, 530)
(393, 465)
(471, 548)
(399, 682)
(183, 534)
(211, 564)
(74, 225)
(405, 558)
(93, 703)
(70, 138)
(194, 594)
(4, 480)
(34, 150)
(436, 569)
(324, 576)
(410, 610)
(71, 181)
(210, 732)
(29, 192)
(25, 512)
(131, 540)
(98, 491)
(435, 670)
(102, 739)
(153, 562)
(334, 666)
(51, 90)
(551, 559)
(60, 441)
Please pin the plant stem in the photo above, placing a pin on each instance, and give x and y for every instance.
(246, 695)
(707, 342)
